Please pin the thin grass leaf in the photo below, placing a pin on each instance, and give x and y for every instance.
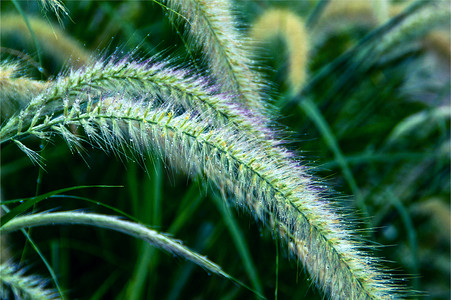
(314, 114)
(412, 235)
(424, 119)
(27, 203)
(130, 228)
(239, 241)
(206, 236)
(30, 29)
(188, 205)
(148, 258)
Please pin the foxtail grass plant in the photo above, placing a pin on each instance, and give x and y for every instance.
(15, 285)
(53, 41)
(213, 120)
(271, 189)
(284, 23)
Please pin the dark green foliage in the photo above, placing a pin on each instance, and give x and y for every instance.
(401, 178)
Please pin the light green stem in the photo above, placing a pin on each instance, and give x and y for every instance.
(109, 222)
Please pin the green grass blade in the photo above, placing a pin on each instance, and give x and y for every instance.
(29, 202)
(240, 242)
(116, 210)
(33, 36)
(276, 290)
(411, 235)
(316, 13)
(148, 257)
(205, 236)
(315, 115)
(188, 206)
(370, 157)
(107, 284)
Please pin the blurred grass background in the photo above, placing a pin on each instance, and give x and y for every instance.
(376, 129)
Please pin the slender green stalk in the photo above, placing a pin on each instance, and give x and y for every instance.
(312, 111)
(26, 20)
(205, 236)
(148, 258)
(276, 290)
(239, 241)
(316, 13)
(412, 234)
(133, 229)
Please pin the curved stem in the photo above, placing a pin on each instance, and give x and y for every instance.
(109, 222)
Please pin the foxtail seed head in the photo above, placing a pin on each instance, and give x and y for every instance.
(272, 187)
(286, 24)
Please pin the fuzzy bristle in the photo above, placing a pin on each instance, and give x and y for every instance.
(15, 285)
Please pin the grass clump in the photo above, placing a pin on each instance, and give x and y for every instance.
(207, 130)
